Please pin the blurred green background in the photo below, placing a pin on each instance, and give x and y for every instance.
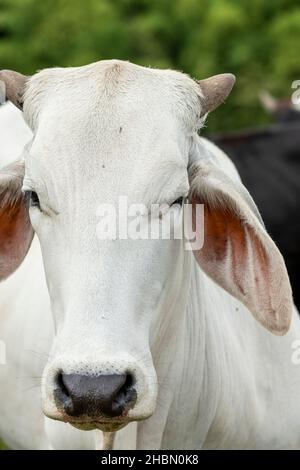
(258, 40)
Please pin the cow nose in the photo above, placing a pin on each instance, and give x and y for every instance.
(109, 395)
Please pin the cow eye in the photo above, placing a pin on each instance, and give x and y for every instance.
(34, 199)
(178, 201)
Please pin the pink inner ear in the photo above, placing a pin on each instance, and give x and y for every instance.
(232, 247)
(16, 234)
(244, 261)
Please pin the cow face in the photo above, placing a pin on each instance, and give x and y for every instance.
(104, 134)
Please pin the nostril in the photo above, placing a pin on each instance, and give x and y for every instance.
(125, 397)
(62, 395)
(62, 385)
(127, 385)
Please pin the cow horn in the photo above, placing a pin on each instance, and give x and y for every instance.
(12, 87)
(215, 90)
(268, 101)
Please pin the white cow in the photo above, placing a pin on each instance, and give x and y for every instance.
(136, 329)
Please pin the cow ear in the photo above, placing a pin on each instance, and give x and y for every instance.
(237, 253)
(16, 232)
(12, 87)
(215, 90)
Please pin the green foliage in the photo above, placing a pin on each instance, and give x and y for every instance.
(256, 40)
(2, 446)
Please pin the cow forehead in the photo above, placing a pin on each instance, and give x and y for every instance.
(111, 92)
(112, 115)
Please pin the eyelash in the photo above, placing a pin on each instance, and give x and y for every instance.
(178, 201)
(34, 199)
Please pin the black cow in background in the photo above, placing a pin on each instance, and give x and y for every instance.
(283, 110)
(268, 161)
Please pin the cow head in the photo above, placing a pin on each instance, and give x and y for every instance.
(101, 132)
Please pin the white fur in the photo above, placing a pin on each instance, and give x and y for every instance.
(14, 134)
(209, 373)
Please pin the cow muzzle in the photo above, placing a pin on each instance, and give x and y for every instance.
(98, 396)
